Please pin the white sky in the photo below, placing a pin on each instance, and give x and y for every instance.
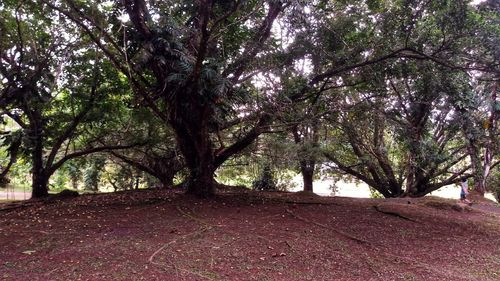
(475, 2)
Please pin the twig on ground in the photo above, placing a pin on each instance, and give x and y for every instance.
(50, 272)
(205, 227)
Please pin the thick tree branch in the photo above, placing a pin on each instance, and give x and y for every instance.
(255, 45)
(452, 179)
(138, 13)
(349, 170)
(134, 163)
(116, 62)
(70, 129)
(205, 10)
(58, 164)
(101, 30)
(242, 143)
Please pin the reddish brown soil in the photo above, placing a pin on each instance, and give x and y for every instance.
(163, 235)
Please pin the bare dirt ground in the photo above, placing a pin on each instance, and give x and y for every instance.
(164, 235)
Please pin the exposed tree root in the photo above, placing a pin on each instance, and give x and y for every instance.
(428, 267)
(368, 244)
(393, 213)
(192, 217)
(205, 227)
(345, 235)
(184, 237)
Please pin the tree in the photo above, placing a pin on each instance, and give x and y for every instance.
(413, 33)
(266, 181)
(93, 173)
(403, 138)
(52, 87)
(189, 81)
(480, 111)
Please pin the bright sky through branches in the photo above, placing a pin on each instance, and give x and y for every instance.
(475, 2)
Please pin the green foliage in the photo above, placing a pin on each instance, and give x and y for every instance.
(375, 194)
(236, 174)
(92, 176)
(266, 181)
(493, 183)
(60, 181)
(124, 178)
(74, 171)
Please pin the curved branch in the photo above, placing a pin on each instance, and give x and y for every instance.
(70, 129)
(58, 164)
(254, 46)
(349, 170)
(244, 142)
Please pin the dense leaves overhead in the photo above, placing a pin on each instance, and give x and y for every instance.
(388, 92)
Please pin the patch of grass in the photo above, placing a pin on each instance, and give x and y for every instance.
(486, 273)
(486, 268)
(403, 232)
(445, 204)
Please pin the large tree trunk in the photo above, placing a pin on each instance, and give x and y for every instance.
(40, 179)
(40, 185)
(190, 121)
(201, 182)
(411, 188)
(165, 169)
(477, 169)
(201, 166)
(492, 132)
(200, 162)
(307, 175)
(188, 102)
(136, 182)
(307, 159)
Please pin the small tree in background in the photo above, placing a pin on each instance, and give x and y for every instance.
(266, 181)
(93, 174)
(493, 184)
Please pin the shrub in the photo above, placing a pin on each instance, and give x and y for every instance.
(375, 194)
(493, 184)
(266, 181)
